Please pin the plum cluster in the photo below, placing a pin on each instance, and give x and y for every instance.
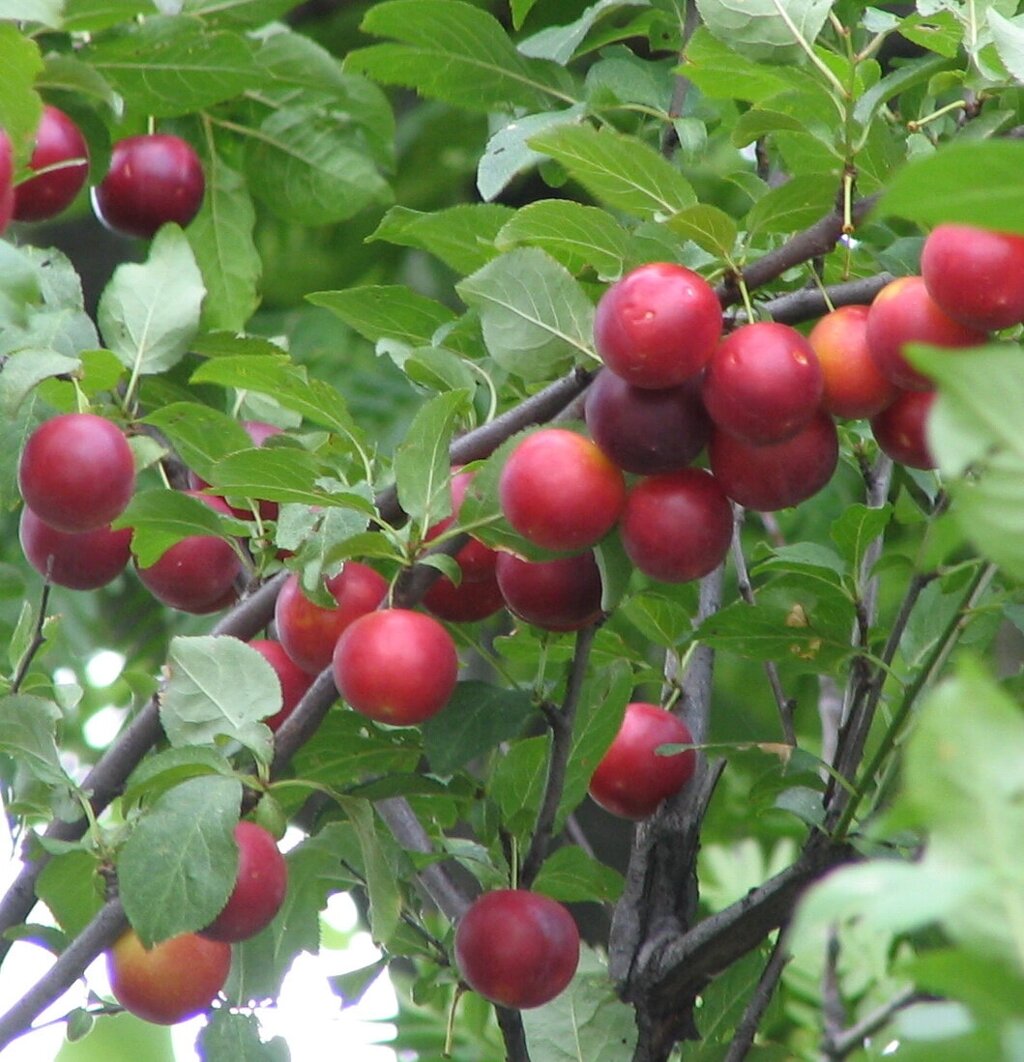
(152, 179)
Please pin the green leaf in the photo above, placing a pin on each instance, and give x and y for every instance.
(24, 370)
(221, 237)
(284, 474)
(46, 12)
(178, 866)
(619, 170)
(200, 434)
(309, 168)
(759, 29)
(230, 1036)
(585, 1023)
(722, 73)
(536, 319)
(218, 688)
(381, 882)
(72, 889)
(20, 105)
(598, 719)
(709, 227)
(454, 52)
(159, 518)
(463, 236)
(572, 876)
(973, 431)
(285, 381)
(169, 767)
(931, 189)
(386, 312)
(855, 530)
(577, 236)
(149, 313)
(766, 632)
(477, 718)
(28, 727)
(799, 202)
(173, 65)
(345, 751)
(422, 466)
(559, 43)
(508, 153)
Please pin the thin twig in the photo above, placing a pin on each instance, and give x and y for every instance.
(852, 1039)
(746, 1030)
(37, 642)
(558, 761)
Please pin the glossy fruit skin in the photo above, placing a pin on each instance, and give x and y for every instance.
(472, 600)
(559, 491)
(901, 429)
(647, 431)
(975, 275)
(260, 887)
(556, 595)
(632, 779)
(396, 666)
(658, 325)
(294, 681)
(6, 180)
(77, 472)
(678, 526)
(197, 574)
(84, 560)
(854, 385)
(763, 383)
(309, 632)
(58, 140)
(153, 179)
(767, 478)
(517, 948)
(174, 980)
(903, 312)
(475, 560)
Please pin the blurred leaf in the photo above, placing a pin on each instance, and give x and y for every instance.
(620, 171)
(218, 687)
(149, 313)
(930, 189)
(536, 319)
(20, 105)
(973, 431)
(477, 718)
(178, 866)
(719, 71)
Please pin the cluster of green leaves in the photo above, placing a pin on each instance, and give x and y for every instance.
(459, 304)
